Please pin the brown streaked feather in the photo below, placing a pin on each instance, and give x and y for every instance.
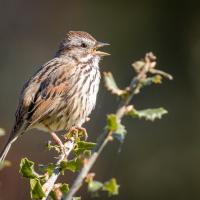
(32, 86)
(46, 106)
(80, 34)
(33, 97)
(62, 93)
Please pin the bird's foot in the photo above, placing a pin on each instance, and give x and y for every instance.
(79, 132)
(58, 142)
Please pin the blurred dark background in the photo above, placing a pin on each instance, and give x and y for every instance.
(159, 160)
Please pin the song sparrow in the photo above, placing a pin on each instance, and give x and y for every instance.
(62, 93)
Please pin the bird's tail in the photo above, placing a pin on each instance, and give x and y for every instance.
(6, 148)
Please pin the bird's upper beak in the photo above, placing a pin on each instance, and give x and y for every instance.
(99, 45)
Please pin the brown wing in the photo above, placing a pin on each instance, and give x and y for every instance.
(41, 94)
(48, 102)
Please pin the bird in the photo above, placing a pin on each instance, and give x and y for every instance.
(63, 91)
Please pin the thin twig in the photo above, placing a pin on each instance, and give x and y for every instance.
(134, 87)
(142, 67)
(48, 186)
(102, 142)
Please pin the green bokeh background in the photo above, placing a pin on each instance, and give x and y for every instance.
(158, 161)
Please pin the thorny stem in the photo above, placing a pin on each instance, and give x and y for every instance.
(102, 142)
(142, 68)
(134, 87)
(48, 186)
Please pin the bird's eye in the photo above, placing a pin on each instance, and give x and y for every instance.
(83, 45)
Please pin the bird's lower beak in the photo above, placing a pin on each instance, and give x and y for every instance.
(99, 45)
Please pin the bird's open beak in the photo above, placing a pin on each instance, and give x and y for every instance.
(99, 45)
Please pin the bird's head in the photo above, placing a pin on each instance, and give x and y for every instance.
(81, 46)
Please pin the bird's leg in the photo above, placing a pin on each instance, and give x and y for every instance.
(80, 129)
(58, 141)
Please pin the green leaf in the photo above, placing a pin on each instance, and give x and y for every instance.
(54, 147)
(84, 147)
(47, 168)
(111, 84)
(111, 187)
(148, 114)
(112, 122)
(120, 133)
(36, 189)
(114, 125)
(2, 132)
(27, 169)
(87, 153)
(94, 186)
(53, 196)
(157, 79)
(64, 188)
(72, 165)
(58, 190)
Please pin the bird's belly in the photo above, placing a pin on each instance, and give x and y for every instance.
(53, 124)
(75, 107)
(73, 115)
